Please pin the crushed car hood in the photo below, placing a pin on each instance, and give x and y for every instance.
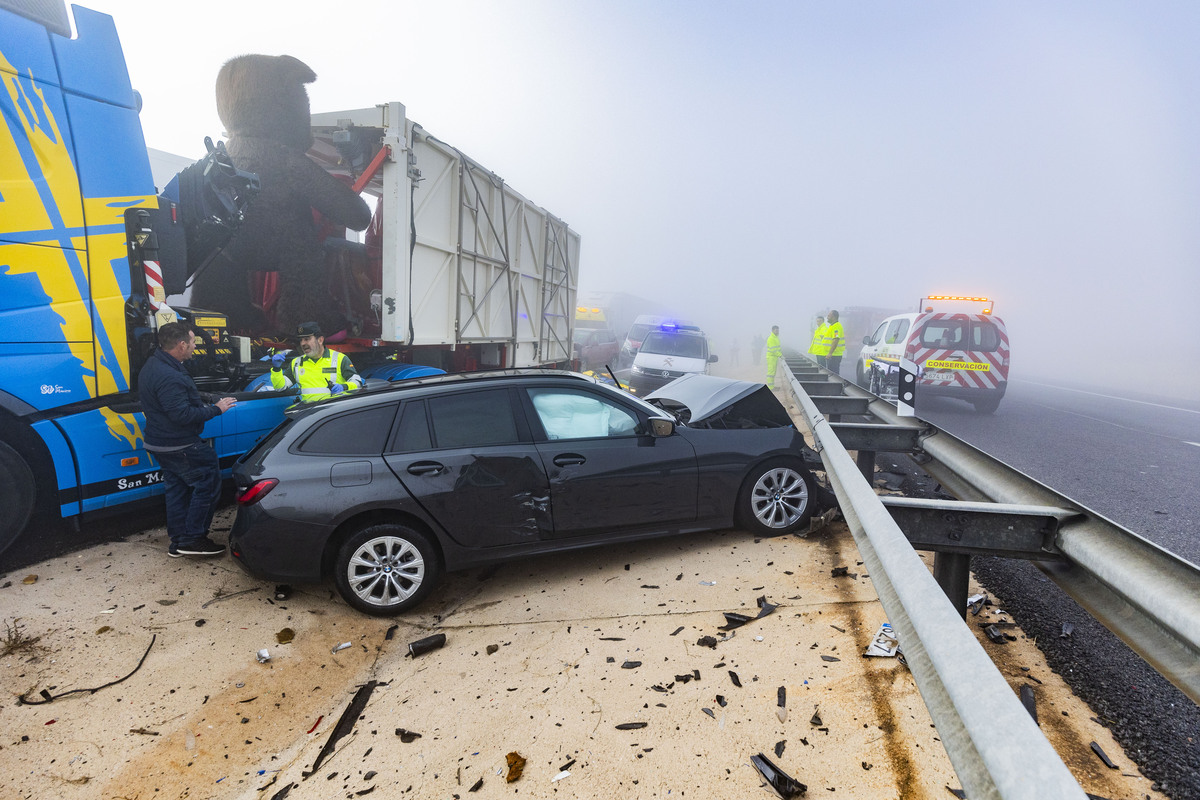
(706, 401)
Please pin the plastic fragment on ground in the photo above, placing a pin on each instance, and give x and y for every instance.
(785, 785)
(560, 776)
(733, 676)
(721, 701)
(408, 737)
(1108, 762)
(339, 647)
(632, 726)
(492, 648)
(263, 656)
(829, 658)
(976, 602)
(283, 591)
(735, 620)
(391, 632)
(422, 646)
(995, 635)
(1029, 701)
(516, 765)
(631, 665)
(816, 718)
(345, 723)
(779, 746)
(1067, 630)
(477, 786)
(885, 644)
(710, 712)
(707, 641)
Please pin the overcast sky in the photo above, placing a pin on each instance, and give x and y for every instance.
(755, 163)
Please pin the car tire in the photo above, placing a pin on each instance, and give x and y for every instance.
(386, 569)
(776, 498)
(987, 405)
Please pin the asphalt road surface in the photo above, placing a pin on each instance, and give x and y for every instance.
(1133, 459)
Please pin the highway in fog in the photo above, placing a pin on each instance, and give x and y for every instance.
(1132, 459)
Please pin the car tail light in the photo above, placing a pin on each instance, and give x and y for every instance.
(256, 491)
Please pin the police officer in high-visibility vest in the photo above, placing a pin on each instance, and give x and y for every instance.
(817, 348)
(320, 372)
(774, 353)
(835, 342)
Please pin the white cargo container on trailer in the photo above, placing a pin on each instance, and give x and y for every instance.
(466, 260)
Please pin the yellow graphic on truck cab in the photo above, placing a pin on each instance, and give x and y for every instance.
(124, 427)
(47, 223)
(970, 366)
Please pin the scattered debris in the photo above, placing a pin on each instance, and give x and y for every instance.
(842, 572)
(678, 630)
(200, 623)
(779, 746)
(829, 658)
(342, 646)
(995, 635)
(708, 583)
(516, 765)
(710, 712)
(976, 602)
(733, 676)
(285, 636)
(560, 776)
(29, 580)
(345, 724)
(143, 731)
(47, 697)
(216, 599)
(492, 648)
(315, 724)
(283, 591)
(1067, 630)
(777, 779)
(867, 766)
(707, 641)
(15, 639)
(423, 646)
(1029, 701)
(391, 632)
(839, 630)
(1103, 756)
(408, 737)
(477, 786)
(631, 665)
(885, 644)
(632, 726)
(781, 704)
(736, 620)
(816, 718)
(263, 656)
(721, 701)
(819, 522)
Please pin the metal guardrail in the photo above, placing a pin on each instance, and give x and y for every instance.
(996, 748)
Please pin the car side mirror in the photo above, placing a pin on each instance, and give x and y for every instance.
(712, 359)
(660, 427)
(866, 340)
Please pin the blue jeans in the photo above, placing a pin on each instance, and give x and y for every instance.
(192, 478)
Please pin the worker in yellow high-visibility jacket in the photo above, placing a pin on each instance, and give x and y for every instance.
(835, 341)
(319, 371)
(817, 348)
(774, 353)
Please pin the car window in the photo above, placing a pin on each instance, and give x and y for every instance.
(673, 344)
(877, 336)
(638, 332)
(413, 431)
(984, 336)
(357, 433)
(566, 414)
(605, 337)
(472, 419)
(944, 333)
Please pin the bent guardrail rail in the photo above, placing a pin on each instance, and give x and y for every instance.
(996, 748)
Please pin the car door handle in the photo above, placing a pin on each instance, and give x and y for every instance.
(568, 460)
(425, 468)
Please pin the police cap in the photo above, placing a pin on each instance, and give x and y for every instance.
(308, 329)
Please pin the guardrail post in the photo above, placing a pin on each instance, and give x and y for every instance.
(866, 465)
(952, 571)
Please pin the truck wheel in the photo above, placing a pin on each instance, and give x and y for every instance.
(385, 569)
(777, 498)
(17, 491)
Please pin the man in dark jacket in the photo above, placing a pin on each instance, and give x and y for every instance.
(175, 415)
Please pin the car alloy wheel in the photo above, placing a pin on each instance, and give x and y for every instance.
(777, 498)
(385, 569)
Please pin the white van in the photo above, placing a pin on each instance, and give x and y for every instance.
(965, 356)
(668, 352)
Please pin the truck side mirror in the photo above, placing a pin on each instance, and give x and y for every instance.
(712, 359)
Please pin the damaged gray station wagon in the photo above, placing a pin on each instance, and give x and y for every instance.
(387, 488)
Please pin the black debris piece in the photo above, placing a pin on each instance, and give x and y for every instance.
(721, 701)
(995, 635)
(48, 698)
(867, 766)
(830, 658)
(282, 793)
(683, 678)
(632, 726)
(677, 631)
(283, 591)
(976, 602)
(710, 712)
(959, 793)
(492, 648)
(733, 676)
(707, 641)
(391, 632)
(649, 586)
(781, 696)
(679, 577)
(999, 625)
(478, 785)
(786, 786)
(1029, 701)
(612, 638)
(567, 766)
(609, 660)
(627, 568)
(364, 791)
(782, 743)
(631, 665)
(696, 674)
(422, 646)
(1103, 756)
(736, 620)
(370, 775)
(839, 572)
(839, 630)
(1067, 630)
(816, 718)
(200, 623)
(408, 737)
(658, 687)
(345, 724)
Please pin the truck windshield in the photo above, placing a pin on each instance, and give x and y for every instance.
(674, 344)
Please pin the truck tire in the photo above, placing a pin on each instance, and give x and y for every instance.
(17, 495)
